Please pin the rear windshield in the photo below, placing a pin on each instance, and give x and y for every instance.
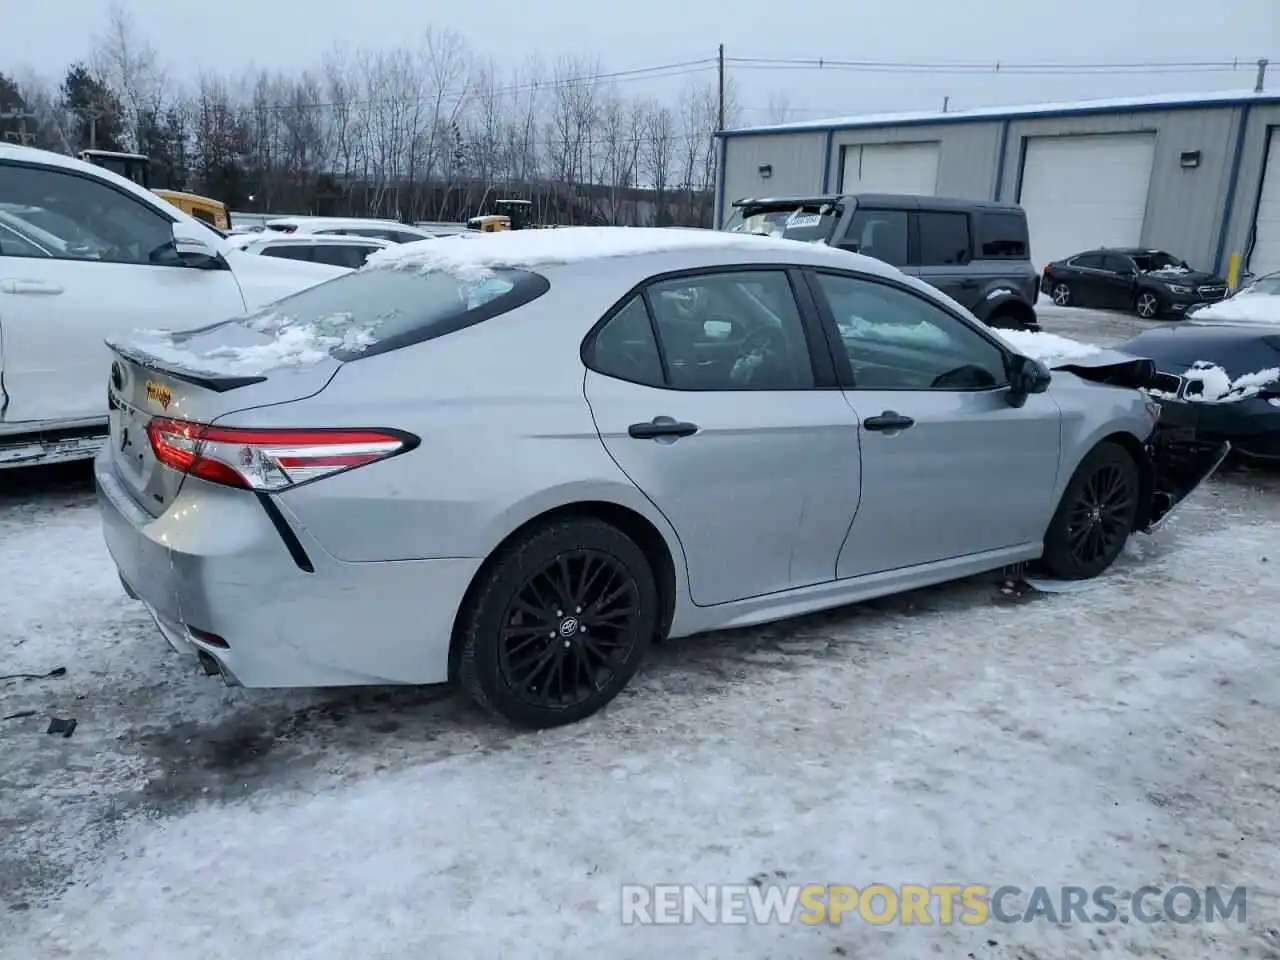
(376, 311)
(810, 223)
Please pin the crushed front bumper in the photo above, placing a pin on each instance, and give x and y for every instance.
(1181, 459)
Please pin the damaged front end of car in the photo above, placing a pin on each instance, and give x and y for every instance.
(1179, 459)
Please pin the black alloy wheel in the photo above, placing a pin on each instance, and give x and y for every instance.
(1060, 293)
(1096, 515)
(559, 624)
(568, 629)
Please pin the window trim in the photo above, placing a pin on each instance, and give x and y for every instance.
(1088, 253)
(815, 337)
(840, 356)
(82, 175)
(919, 231)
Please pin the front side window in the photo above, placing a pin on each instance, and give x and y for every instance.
(896, 340)
(879, 233)
(944, 238)
(83, 218)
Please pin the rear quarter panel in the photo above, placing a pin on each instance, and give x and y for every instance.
(506, 434)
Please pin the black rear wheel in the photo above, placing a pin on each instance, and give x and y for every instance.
(1061, 294)
(1096, 515)
(559, 624)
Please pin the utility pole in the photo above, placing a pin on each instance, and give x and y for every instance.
(22, 116)
(720, 59)
(946, 102)
(1262, 75)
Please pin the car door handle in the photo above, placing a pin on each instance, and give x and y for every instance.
(889, 420)
(968, 283)
(661, 427)
(30, 286)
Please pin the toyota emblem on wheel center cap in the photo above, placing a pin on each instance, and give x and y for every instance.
(568, 626)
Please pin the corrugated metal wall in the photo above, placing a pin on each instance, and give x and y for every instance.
(1184, 206)
(796, 159)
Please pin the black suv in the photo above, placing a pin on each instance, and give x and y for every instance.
(1151, 283)
(974, 251)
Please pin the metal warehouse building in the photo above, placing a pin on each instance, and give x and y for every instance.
(1197, 175)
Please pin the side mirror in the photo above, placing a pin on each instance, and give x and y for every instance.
(194, 250)
(1026, 376)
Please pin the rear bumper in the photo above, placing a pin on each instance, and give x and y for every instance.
(214, 563)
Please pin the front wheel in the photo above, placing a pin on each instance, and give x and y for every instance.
(1095, 517)
(558, 624)
(1147, 305)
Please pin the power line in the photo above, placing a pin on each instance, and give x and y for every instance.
(1060, 68)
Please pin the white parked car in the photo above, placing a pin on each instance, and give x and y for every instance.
(87, 255)
(391, 230)
(337, 251)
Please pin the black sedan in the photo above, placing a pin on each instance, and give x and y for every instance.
(1223, 377)
(1151, 283)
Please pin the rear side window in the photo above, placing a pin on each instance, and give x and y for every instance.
(625, 347)
(351, 255)
(289, 252)
(402, 236)
(944, 238)
(1003, 237)
(377, 311)
(1090, 261)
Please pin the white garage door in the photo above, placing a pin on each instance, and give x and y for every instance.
(891, 168)
(1266, 244)
(1085, 192)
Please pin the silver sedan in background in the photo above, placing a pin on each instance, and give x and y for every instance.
(516, 462)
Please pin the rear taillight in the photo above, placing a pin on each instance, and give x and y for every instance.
(268, 459)
(1047, 271)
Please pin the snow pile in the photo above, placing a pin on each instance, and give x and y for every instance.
(1212, 384)
(291, 344)
(531, 248)
(1048, 348)
(1171, 271)
(1243, 307)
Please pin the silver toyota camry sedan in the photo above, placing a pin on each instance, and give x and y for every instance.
(516, 462)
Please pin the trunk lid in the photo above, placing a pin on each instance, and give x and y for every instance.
(198, 376)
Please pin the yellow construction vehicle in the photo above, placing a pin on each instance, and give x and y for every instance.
(510, 215)
(136, 167)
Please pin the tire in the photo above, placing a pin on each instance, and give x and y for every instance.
(1084, 504)
(1147, 305)
(507, 665)
(1060, 294)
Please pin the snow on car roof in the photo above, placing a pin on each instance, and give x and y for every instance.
(531, 248)
(1244, 307)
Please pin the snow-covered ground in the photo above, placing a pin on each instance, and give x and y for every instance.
(1124, 734)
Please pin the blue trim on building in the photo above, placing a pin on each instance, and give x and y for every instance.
(826, 160)
(1001, 152)
(1233, 181)
(1013, 113)
(719, 214)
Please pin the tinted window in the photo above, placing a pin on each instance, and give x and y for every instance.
(1090, 261)
(1116, 263)
(299, 251)
(350, 255)
(897, 340)
(205, 216)
(625, 348)
(944, 238)
(403, 236)
(80, 218)
(373, 311)
(1004, 236)
(879, 233)
(731, 331)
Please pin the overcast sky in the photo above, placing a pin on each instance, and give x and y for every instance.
(289, 35)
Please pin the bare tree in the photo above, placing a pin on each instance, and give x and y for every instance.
(658, 157)
(779, 108)
(127, 63)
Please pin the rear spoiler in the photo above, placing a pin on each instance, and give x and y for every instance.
(217, 382)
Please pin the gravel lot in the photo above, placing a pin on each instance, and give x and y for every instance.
(1125, 734)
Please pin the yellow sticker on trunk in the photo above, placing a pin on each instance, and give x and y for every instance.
(159, 393)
